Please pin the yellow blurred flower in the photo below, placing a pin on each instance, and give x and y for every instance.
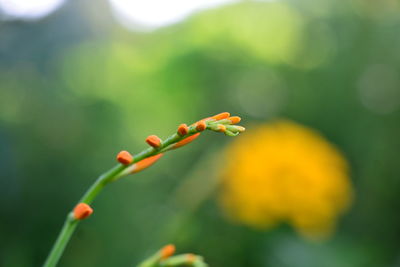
(285, 172)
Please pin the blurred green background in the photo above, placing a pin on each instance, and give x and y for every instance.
(76, 87)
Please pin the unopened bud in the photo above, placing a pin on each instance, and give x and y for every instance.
(229, 133)
(124, 157)
(167, 251)
(82, 211)
(154, 141)
(240, 128)
(221, 116)
(186, 141)
(145, 163)
(183, 129)
(201, 126)
(235, 119)
(235, 128)
(221, 128)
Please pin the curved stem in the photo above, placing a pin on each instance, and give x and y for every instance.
(71, 223)
(99, 184)
(62, 240)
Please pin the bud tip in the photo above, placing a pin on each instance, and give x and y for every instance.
(240, 128)
(167, 251)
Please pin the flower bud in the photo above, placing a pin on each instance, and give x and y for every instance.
(230, 133)
(186, 141)
(124, 157)
(167, 251)
(201, 126)
(145, 163)
(240, 128)
(154, 141)
(82, 211)
(235, 128)
(183, 129)
(221, 128)
(221, 116)
(235, 119)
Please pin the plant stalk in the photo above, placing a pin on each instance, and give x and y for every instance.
(71, 223)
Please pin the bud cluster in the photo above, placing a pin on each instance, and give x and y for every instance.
(222, 122)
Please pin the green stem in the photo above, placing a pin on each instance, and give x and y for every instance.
(99, 184)
(71, 223)
(62, 240)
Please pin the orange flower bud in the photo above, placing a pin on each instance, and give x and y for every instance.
(183, 129)
(186, 141)
(221, 128)
(234, 119)
(145, 163)
(201, 126)
(167, 251)
(82, 211)
(154, 141)
(221, 116)
(124, 157)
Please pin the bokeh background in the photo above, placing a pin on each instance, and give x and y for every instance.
(82, 80)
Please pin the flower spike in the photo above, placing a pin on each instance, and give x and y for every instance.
(124, 157)
(154, 141)
(82, 211)
(222, 122)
